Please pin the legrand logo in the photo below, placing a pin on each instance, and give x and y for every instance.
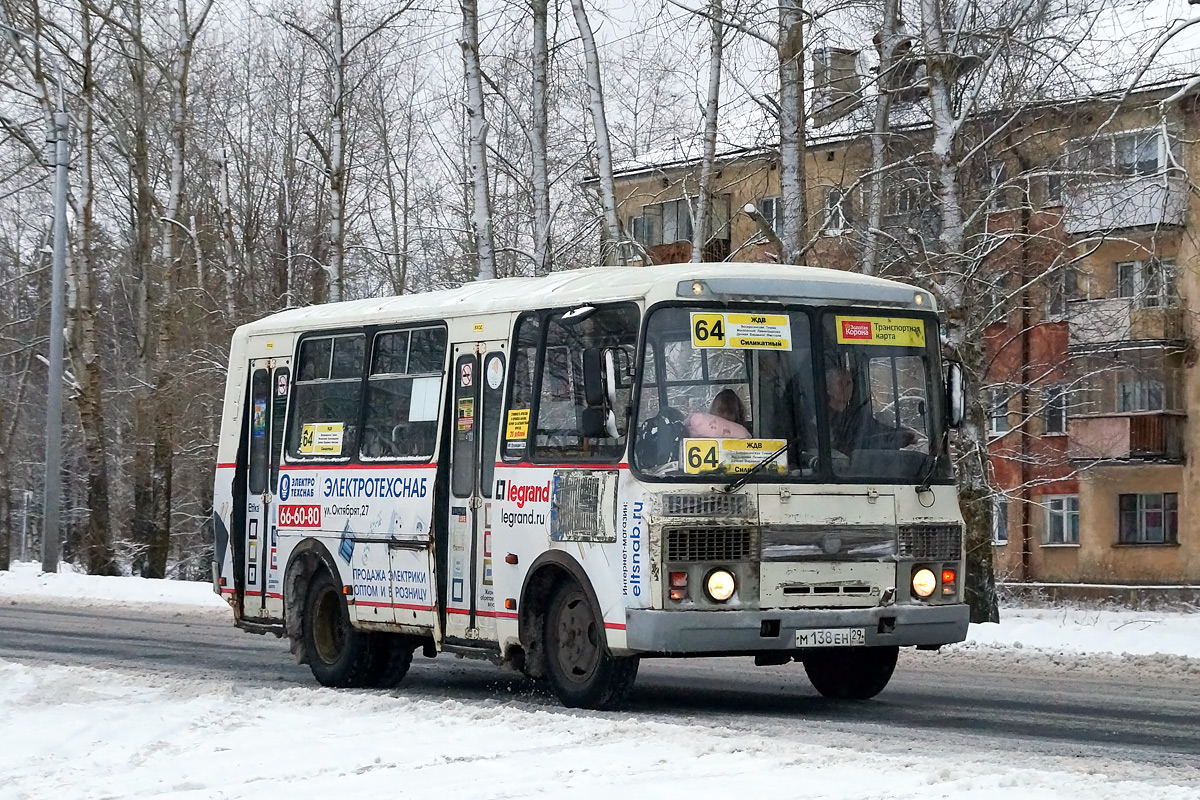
(856, 329)
(527, 494)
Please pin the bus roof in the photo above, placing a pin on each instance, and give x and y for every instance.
(723, 280)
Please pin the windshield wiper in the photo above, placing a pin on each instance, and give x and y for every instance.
(740, 481)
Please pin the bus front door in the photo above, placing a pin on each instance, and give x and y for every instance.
(262, 597)
(478, 383)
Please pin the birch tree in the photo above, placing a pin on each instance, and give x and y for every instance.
(792, 130)
(338, 55)
(611, 230)
(539, 95)
(712, 103)
(477, 164)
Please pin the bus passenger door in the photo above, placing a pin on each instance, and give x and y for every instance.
(261, 585)
(478, 381)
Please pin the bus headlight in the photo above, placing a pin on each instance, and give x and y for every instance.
(720, 585)
(924, 582)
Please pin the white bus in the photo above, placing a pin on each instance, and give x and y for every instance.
(570, 473)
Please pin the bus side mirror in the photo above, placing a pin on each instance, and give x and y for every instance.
(600, 376)
(593, 377)
(956, 395)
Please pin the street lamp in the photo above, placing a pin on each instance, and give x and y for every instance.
(57, 133)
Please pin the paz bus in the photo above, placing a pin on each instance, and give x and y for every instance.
(570, 473)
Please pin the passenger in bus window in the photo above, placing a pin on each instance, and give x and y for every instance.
(852, 426)
(725, 418)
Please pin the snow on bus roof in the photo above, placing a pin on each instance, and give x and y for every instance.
(591, 285)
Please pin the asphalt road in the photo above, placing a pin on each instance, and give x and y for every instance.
(1130, 716)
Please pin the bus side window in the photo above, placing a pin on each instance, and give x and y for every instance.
(569, 426)
(403, 391)
(328, 393)
(520, 398)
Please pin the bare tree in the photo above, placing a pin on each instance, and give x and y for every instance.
(477, 165)
(611, 238)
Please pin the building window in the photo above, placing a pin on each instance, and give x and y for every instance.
(646, 229)
(998, 409)
(837, 211)
(900, 199)
(664, 223)
(1062, 519)
(994, 297)
(1052, 187)
(1061, 288)
(836, 83)
(1146, 152)
(1151, 282)
(998, 194)
(999, 520)
(1055, 410)
(1140, 394)
(1149, 518)
(772, 209)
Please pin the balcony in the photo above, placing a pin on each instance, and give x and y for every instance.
(1121, 319)
(1139, 201)
(1145, 436)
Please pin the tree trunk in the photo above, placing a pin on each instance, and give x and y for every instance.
(538, 128)
(610, 247)
(888, 41)
(477, 166)
(337, 160)
(84, 346)
(700, 227)
(950, 267)
(792, 127)
(228, 243)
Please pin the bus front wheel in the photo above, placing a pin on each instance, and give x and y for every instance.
(581, 671)
(339, 655)
(851, 673)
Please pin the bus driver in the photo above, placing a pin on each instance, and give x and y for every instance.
(852, 425)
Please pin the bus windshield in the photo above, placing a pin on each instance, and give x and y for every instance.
(840, 396)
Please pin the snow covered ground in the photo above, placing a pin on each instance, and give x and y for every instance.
(75, 732)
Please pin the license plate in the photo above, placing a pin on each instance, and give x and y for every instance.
(832, 637)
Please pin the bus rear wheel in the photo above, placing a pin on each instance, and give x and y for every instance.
(581, 671)
(851, 673)
(338, 655)
(391, 656)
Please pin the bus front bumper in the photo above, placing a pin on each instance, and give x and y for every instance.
(653, 632)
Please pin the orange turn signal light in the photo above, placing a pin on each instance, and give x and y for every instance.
(347, 590)
(510, 603)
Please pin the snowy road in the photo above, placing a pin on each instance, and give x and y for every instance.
(117, 700)
(1099, 707)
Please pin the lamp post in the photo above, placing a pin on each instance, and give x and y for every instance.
(62, 159)
(58, 133)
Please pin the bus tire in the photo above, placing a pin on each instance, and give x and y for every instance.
(851, 673)
(339, 655)
(581, 671)
(391, 656)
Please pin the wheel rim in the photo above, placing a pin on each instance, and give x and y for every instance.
(329, 629)
(578, 639)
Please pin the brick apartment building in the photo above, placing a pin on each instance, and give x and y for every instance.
(1091, 292)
